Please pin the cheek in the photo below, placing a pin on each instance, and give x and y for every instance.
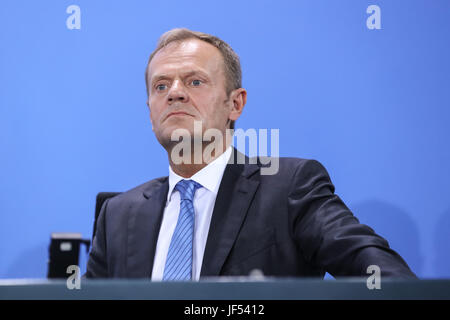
(152, 113)
(151, 117)
(201, 102)
(220, 108)
(210, 106)
(155, 111)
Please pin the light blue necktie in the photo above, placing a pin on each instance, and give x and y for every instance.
(179, 258)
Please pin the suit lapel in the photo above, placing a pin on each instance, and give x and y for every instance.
(143, 229)
(235, 194)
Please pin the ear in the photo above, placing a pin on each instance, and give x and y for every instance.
(239, 98)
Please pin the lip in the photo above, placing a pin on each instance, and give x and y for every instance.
(178, 113)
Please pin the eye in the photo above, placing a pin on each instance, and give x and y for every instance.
(161, 87)
(196, 82)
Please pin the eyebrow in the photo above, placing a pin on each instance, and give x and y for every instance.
(164, 76)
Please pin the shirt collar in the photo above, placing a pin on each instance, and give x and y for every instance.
(209, 177)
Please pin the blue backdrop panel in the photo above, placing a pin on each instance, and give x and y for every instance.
(371, 105)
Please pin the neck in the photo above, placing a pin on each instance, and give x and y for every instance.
(187, 170)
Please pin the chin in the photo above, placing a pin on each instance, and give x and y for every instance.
(180, 133)
(180, 121)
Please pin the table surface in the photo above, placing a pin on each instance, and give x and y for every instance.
(226, 289)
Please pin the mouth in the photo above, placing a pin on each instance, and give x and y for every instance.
(178, 114)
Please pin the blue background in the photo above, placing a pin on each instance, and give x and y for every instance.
(371, 105)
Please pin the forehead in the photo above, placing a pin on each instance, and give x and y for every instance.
(188, 54)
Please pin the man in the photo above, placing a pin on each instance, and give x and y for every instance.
(218, 217)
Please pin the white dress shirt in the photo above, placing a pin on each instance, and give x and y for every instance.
(204, 199)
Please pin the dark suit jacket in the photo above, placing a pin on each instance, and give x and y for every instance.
(287, 224)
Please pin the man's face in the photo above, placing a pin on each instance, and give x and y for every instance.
(186, 84)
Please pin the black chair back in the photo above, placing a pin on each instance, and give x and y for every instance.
(101, 198)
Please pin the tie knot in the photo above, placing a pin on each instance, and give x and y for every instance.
(187, 188)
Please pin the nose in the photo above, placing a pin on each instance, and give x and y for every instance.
(177, 93)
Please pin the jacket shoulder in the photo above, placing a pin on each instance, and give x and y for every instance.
(289, 166)
(139, 192)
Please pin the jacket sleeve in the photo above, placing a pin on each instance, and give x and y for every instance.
(97, 266)
(329, 236)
